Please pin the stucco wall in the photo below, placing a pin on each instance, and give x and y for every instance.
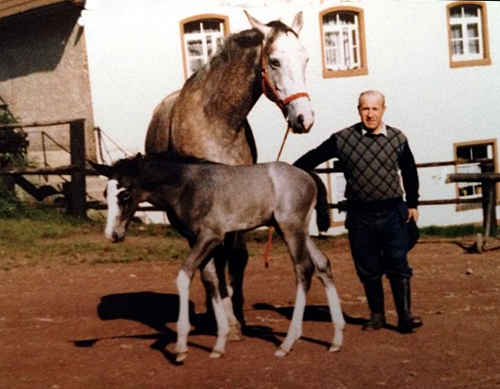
(44, 77)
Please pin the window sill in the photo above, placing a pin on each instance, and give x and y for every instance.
(476, 62)
(344, 73)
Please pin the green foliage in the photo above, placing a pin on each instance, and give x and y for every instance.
(10, 206)
(451, 231)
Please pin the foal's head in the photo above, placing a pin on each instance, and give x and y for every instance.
(283, 67)
(123, 194)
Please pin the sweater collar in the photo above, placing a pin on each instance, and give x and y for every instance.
(383, 130)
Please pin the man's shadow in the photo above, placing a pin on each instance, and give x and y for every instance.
(319, 313)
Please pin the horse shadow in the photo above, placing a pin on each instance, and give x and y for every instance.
(155, 310)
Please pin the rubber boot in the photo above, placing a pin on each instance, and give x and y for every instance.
(402, 299)
(375, 296)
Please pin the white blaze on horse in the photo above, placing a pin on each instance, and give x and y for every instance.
(207, 118)
(205, 202)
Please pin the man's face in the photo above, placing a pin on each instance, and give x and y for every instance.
(371, 110)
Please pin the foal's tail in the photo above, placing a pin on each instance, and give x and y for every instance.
(323, 217)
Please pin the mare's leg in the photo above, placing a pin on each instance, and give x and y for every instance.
(201, 249)
(324, 273)
(304, 269)
(237, 262)
(221, 255)
(211, 282)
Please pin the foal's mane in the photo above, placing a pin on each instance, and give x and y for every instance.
(170, 157)
(135, 166)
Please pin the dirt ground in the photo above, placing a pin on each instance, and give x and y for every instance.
(113, 326)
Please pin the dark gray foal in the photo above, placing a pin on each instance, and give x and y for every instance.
(205, 202)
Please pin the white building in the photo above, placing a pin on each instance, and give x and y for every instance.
(437, 63)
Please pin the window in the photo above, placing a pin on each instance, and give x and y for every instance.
(468, 34)
(343, 42)
(201, 38)
(473, 151)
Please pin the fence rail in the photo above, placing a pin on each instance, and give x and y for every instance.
(78, 172)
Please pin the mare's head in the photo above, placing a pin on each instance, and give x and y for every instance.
(283, 68)
(123, 194)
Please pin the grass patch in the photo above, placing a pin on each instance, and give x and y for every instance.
(456, 231)
(46, 237)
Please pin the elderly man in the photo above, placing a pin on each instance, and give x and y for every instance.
(372, 154)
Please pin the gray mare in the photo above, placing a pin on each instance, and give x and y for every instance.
(207, 117)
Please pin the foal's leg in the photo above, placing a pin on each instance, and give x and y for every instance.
(202, 247)
(304, 269)
(324, 273)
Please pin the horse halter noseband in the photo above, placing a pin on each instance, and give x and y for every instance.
(267, 86)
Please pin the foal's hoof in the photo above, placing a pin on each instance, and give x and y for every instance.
(216, 354)
(334, 348)
(280, 353)
(180, 357)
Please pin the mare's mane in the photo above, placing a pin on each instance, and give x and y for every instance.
(236, 42)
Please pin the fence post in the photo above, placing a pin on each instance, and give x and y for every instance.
(489, 201)
(78, 190)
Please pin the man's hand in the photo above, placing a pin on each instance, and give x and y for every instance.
(412, 214)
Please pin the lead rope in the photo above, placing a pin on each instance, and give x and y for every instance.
(269, 243)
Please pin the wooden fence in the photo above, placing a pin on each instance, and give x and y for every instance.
(77, 205)
(77, 170)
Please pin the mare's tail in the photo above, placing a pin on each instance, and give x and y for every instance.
(323, 217)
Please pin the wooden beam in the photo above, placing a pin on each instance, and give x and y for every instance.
(47, 123)
(473, 177)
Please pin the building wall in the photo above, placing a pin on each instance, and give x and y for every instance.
(44, 77)
(135, 59)
(14, 7)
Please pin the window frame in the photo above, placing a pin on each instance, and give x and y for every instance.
(483, 35)
(484, 142)
(199, 18)
(363, 67)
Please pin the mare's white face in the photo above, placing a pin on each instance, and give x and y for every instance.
(286, 62)
(120, 210)
(286, 67)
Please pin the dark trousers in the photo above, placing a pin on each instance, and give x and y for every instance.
(379, 243)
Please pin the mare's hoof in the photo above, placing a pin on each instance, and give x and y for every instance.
(180, 357)
(215, 354)
(235, 334)
(334, 348)
(280, 353)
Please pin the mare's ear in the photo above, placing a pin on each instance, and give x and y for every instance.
(298, 22)
(103, 170)
(258, 25)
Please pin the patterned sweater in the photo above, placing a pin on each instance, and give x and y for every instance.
(371, 165)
